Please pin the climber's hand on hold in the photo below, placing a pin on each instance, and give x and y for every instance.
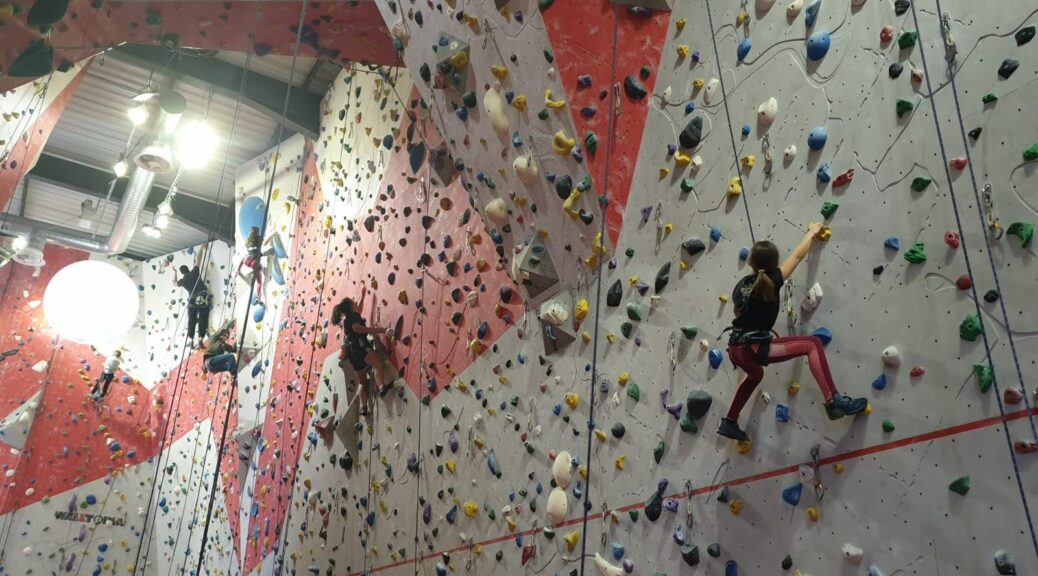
(813, 230)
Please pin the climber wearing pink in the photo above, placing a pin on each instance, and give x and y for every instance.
(753, 346)
(253, 248)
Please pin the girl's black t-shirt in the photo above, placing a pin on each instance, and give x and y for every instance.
(754, 312)
(354, 340)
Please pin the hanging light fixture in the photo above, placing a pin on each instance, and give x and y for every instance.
(138, 114)
(121, 167)
(196, 143)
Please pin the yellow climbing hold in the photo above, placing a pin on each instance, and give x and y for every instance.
(793, 388)
(470, 508)
(580, 310)
(476, 346)
(567, 206)
(633, 280)
(723, 298)
(743, 446)
(682, 50)
(680, 24)
(669, 227)
(477, 441)
(623, 379)
(582, 470)
(611, 337)
(571, 539)
(734, 186)
(838, 467)
(477, 549)
(451, 466)
(562, 144)
(459, 60)
(620, 462)
(664, 172)
(600, 435)
(698, 83)
(735, 506)
(684, 266)
(748, 161)
(824, 234)
(519, 103)
(868, 409)
(499, 71)
(813, 514)
(556, 104)
(585, 337)
(572, 400)
(512, 524)
(682, 159)
(742, 18)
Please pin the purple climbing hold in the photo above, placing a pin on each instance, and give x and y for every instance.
(646, 212)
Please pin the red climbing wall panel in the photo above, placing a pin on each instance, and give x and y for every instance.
(581, 36)
(67, 445)
(332, 30)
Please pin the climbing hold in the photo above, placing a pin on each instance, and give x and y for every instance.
(916, 254)
(895, 70)
(497, 211)
(634, 88)
(781, 412)
(743, 49)
(811, 14)
(690, 554)
(657, 452)
(1012, 395)
(712, 86)
(558, 506)
(891, 357)
(960, 485)
(690, 331)
(767, 112)
(35, 61)
(828, 209)
(654, 507)
(692, 135)
(844, 179)
(792, 494)
(789, 153)
(817, 137)
(731, 568)
(888, 426)
(1007, 68)
(886, 34)
(562, 144)
(975, 133)
(989, 99)
(495, 107)
(1024, 35)
(787, 562)
(970, 328)
(734, 186)
(852, 553)
(662, 278)
(615, 294)
(693, 246)
(985, 377)
(904, 107)
(880, 383)
(825, 174)
(698, 403)
(793, 9)
(571, 539)
(823, 334)
(1024, 231)
(715, 357)
(901, 6)
(1031, 153)
(605, 568)
(920, 183)
(562, 468)
(958, 163)
(907, 39)
(1004, 563)
(818, 45)
(813, 514)
(952, 239)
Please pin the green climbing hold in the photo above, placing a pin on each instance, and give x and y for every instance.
(634, 311)
(1022, 230)
(688, 425)
(591, 142)
(916, 254)
(37, 60)
(634, 392)
(888, 426)
(904, 107)
(645, 72)
(960, 485)
(633, 514)
(629, 252)
(545, 4)
(690, 331)
(989, 98)
(152, 17)
(1031, 154)
(543, 114)
(469, 99)
(662, 278)
(549, 56)
(657, 452)
(615, 294)
(985, 377)
(907, 39)
(634, 88)
(970, 328)
(46, 12)
(626, 329)
(687, 184)
(828, 209)
(585, 184)
(920, 183)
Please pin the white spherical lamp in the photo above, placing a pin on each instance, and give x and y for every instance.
(91, 302)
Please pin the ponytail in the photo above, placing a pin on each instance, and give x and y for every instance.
(764, 286)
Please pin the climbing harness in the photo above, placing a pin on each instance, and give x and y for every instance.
(994, 226)
(816, 467)
(950, 49)
(749, 338)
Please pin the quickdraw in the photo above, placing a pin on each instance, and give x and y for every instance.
(819, 487)
(994, 226)
(688, 504)
(950, 49)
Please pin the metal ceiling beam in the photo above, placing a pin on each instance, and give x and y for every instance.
(202, 214)
(265, 94)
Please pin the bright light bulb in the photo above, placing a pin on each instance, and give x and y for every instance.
(121, 168)
(196, 144)
(91, 302)
(161, 221)
(19, 243)
(151, 231)
(165, 208)
(138, 114)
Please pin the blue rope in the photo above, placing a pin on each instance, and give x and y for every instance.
(728, 115)
(969, 270)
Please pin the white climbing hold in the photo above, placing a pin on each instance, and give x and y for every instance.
(400, 32)
(767, 111)
(891, 357)
(495, 107)
(712, 86)
(558, 506)
(666, 94)
(562, 469)
(526, 169)
(794, 8)
(790, 153)
(497, 211)
(852, 553)
(765, 397)
(555, 314)
(812, 299)
(40, 366)
(697, 162)
(605, 568)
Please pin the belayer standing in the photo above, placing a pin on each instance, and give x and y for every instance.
(358, 352)
(199, 299)
(99, 390)
(753, 346)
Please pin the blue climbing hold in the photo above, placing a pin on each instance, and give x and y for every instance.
(823, 334)
(792, 494)
(441, 568)
(251, 215)
(417, 157)
(745, 129)
(462, 112)
(557, 409)
(259, 313)
(256, 367)
(731, 568)
(91, 499)
(715, 234)
(817, 137)
(690, 107)
(744, 254)
(452, 514)
(618, 551)
(716, 358)
(818, 45)
(279, 247)
(781, 412)
(825, 173)
(370, 520)
(880, 382)
(892, 243)
(811, 13)
(744, 48)
(874, 570)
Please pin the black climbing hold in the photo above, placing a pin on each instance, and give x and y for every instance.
(615, 294)
(787, 562)
(585, 216)
(714, 550)
(693, 246)
(506, 294)
(37, 60)
(47, 12)
(895, 69)
(1007, 68)
(262, 49)
(991, 296)
(692, 135)
(1024, 35)
(724, 496)
(975, 133)
(698, 403)
(634, 88)
(469, 99)
(654, 506)
(425, 72)
(662, 278)
(901, 6)
(690, 554)
(877, 270)
(645, 72)
(618, 430)
(563, 186)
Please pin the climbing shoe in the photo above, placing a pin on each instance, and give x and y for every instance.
(842, 405)
(730, 429)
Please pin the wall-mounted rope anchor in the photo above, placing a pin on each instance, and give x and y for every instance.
(994, 226)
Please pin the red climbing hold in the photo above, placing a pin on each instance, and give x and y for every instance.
(958, 163)
(886, 34)
(1025, 446)
(951, 238)
(917, 372)
(964, 282)
(844, 179)
(1012, 395)
(917, 76)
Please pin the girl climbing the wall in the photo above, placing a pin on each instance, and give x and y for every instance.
(99, 390)
(253, 254)
(753, 346)
(219, 355)
(358, 352)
